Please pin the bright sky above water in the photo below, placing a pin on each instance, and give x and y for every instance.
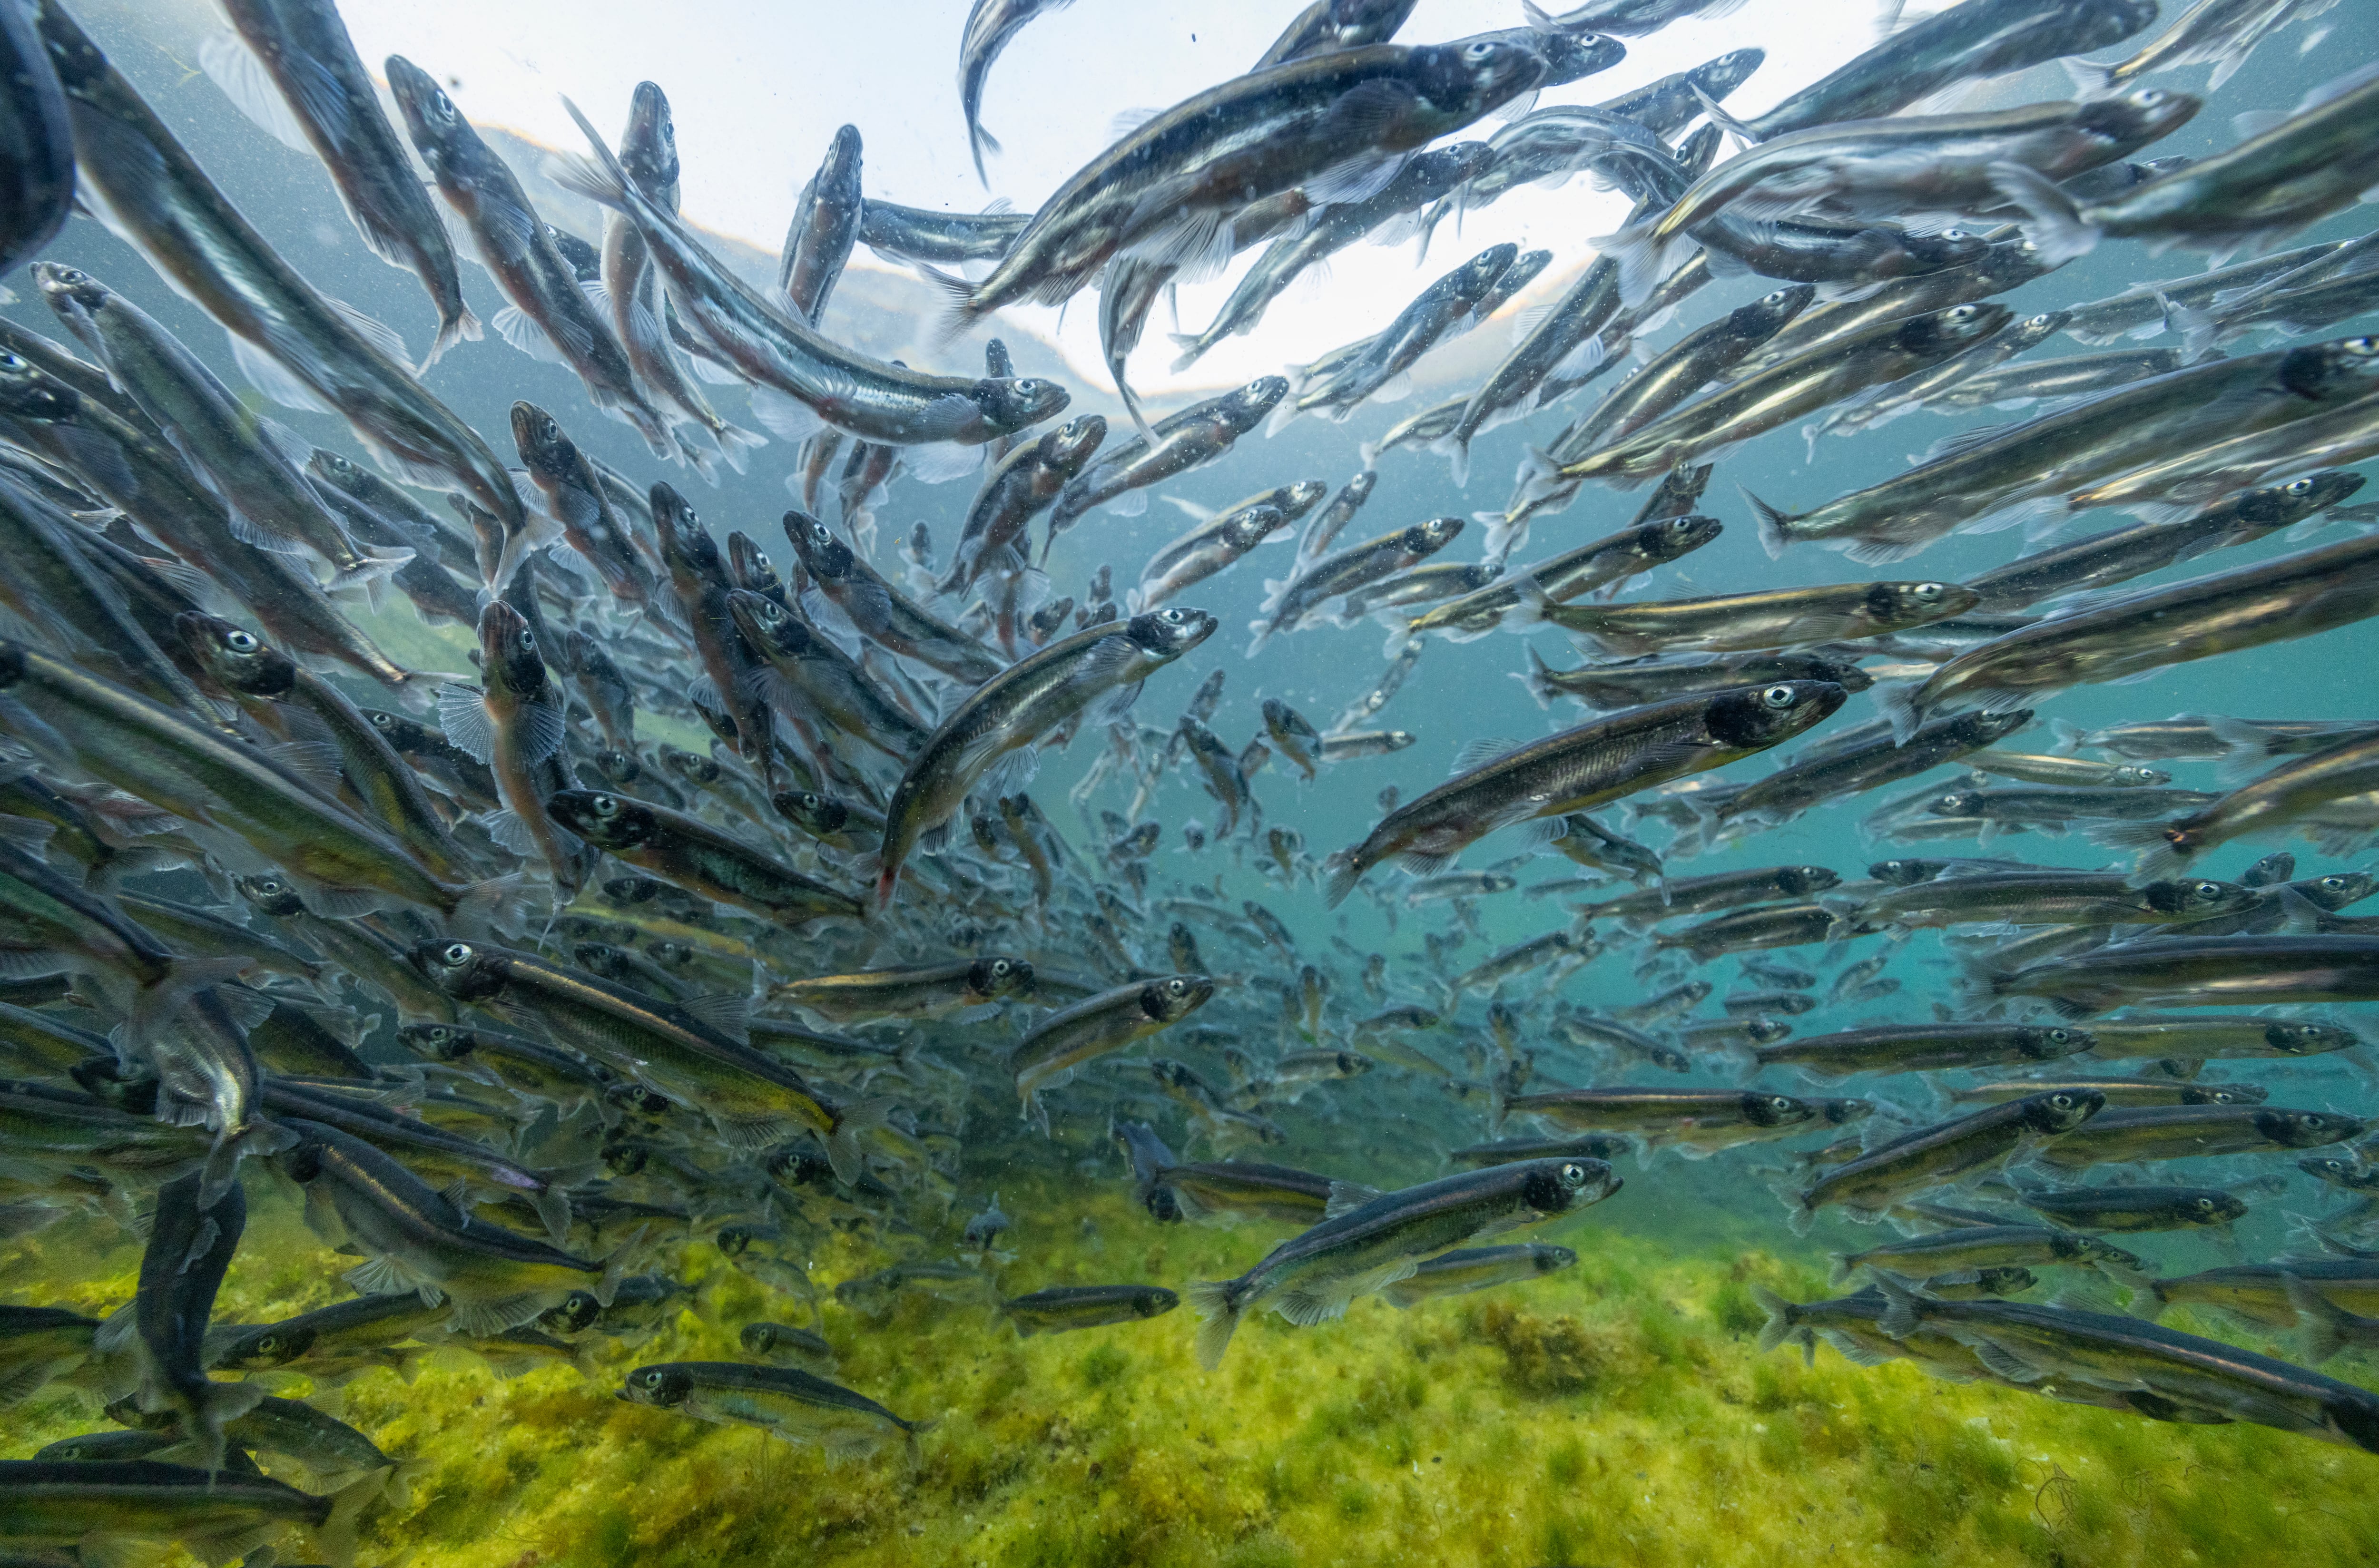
(759, 86)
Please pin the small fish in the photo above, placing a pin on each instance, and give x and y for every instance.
(1064, 1308)
(783, 1400)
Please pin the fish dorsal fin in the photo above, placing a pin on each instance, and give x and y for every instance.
(1478, 751)
(1346, 1197)
(723, 1011)
(234, 68)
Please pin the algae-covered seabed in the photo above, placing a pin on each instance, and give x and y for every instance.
(1617, 1413)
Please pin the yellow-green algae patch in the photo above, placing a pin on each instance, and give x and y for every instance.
(1615, 1413)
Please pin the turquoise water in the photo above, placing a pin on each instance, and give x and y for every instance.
(1618, 1411)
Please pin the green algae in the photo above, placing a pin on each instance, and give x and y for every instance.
(1615, 1412)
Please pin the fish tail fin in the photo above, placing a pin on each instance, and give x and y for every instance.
(464, 328)
(2163, 846)
(1900, 1319)
(1191, 346)
(1344, 871)
(2321, 1323)
(2149, 1304)
(1838, 1269)
(1212, 1301)
(2090, 78)
(373, 567)
(2069, 735)
(736, 444)
(1899, 707)
(2051, 218)
(980, 142)
(221, 1172)
(1536, 678)
(842, 1143)
(334, 1538)
(210, 1407)
(1772, 523)
(553, 1207)
(958, 295)
(600, 179)
(1778, 1327)
(615, 1267)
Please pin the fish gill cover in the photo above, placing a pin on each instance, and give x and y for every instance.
(649, 913)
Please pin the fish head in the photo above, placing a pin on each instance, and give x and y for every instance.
(2329, 370)
(1764, 1032)
(2060, 1111)
(1556, 1186)
(2198, 897)
(2050, 1042)
(438, 129)
(2276, 506)
(1246, 408)
(2306, 1130)
(442, 1042)
(1018, 402)
(687, 548)
(648, 145)
(26, 393)
(1164, 635)
(2131, 120)
(270, 895)
(1547, 1259)
(463, 971)
(1959, 326)
(1250, 526)
(1562, 57)
(620, 766)
(1175, 997)
(1957, 803)
(1476, 276)
(264, 1348)
(660, 1386)
(1295, 500)
(822, 555)
(1671, 538)
(1000, 976)
(1894, 605)
(578, 1313)
(235, 657)
(1984, 727)
(610, 822)
(2337, 1170)
(768, 624)
(1752, 717)
(1153, 1301)
(1429, 536)
(75, 297)
(2302, 1039)
(1801, 882)
(2005, 1279)
(1771, 312)
(2335, 891)
(1761, 1109)
(509, 660)
(811, 811)
(546, 452)
(1070, 445)
(1906, 873)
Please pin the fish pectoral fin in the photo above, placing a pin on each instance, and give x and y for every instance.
(2002, 1361)
(517, 328)
(387, 1275)
(496, 1315)
(1348, 1196)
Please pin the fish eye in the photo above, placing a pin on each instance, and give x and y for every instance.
(1779, 297)
(1174, 617)
(1777, 696)
(2205, 1203)
(2062, 1102)
(605, 805)
(1479, 53)
(385, 720)
(238, 641)
(1928, 592)
(1681, 524)
(455, 954)
(650, 1378)
(527, 641)
(769, 612)
(1179, 988)
(1572, 1175)
(2060, 1036)
(2209, 889)
(1778, 1103)
(270, 887)
(10, 362)
(2362, 345)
